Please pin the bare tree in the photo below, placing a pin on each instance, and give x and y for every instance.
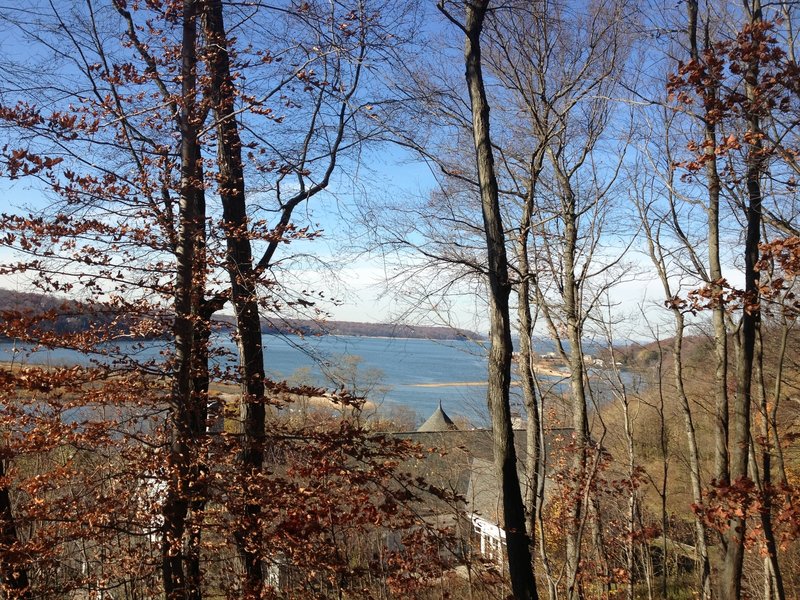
(144, 81)
(520, 566)
(564, 95)
(656, 247)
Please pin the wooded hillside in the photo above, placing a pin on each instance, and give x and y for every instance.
(73, 317)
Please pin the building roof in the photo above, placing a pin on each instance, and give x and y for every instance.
(462, 461)
(438, 421)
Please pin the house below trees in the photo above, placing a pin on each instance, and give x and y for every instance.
(461, 461)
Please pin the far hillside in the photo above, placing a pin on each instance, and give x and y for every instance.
(71, 317)
(389, 330)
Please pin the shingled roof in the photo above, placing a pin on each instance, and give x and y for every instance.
(462, 461)
(438, 421)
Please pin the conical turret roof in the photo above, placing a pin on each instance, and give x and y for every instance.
(438, 421)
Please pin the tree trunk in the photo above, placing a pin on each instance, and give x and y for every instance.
(518, 543)
(772, 571)
(631, 538)
(731, 579)
(239, 264)
(16, 584)
(525, 365)
(721, 468)
(185, 403)
(657, 257)
(773, 413)
(580, 423)
(694, 456)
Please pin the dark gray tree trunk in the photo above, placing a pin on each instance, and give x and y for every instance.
(187, 406)
(239, 264)
(14, 576)
(731, 573)
(518, 543)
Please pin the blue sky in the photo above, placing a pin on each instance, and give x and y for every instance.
(385, 174)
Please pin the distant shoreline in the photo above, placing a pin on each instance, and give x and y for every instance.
(449, 384)
(382, 336)
(71, 317)
(546, 371)
(372, 337)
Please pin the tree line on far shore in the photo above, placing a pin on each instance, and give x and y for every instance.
(65, 316)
